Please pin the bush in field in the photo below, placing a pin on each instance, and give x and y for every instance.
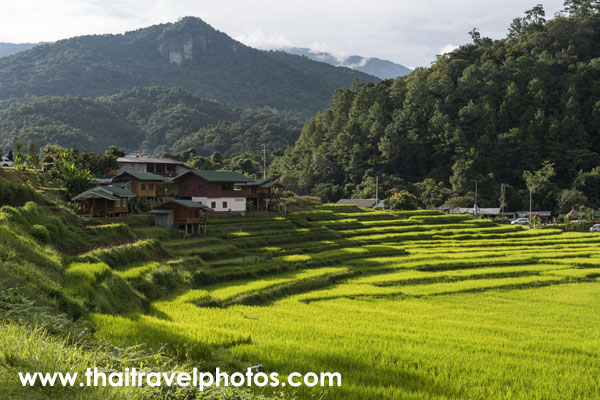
(80, 278)
(15, 194)
(73, 178)
(142, 250)
(61, 235)
(402, 201)
(40, 233)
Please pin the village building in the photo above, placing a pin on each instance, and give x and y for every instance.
(186, 214)
(214, 189)
(107, 201)
(146, 185)
(543, 216)
(264, 194)
(159, 166)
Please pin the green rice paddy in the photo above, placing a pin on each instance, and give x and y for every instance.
(414, 305)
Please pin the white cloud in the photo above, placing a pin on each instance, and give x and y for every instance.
(335, 51)
(260, 40)
(448, 48)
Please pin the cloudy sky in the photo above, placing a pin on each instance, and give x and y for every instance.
(410, 32)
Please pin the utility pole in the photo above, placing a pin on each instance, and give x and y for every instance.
(376, 190)
(503, 187)
(502, 198)
(530, 193)
(475, 211)
(264, 161)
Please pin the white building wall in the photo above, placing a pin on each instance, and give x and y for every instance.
(237, 204)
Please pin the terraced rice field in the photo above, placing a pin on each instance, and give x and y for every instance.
(411, 305)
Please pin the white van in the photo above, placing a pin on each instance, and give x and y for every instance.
(5, 162)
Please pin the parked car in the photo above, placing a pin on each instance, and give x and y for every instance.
(595, 228)
(5, 162)
(520, 221)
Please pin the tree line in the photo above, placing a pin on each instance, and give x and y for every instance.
(483, 114)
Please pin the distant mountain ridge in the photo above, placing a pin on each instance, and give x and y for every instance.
(8, 49)
(383, 69)
(189, 54)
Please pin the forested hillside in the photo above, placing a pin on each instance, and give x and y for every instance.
(486, 112)
(189, 54)
(153, 119)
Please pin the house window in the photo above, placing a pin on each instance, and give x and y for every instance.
(200, 186)
(191, 213)
(124, 202)
(213, 204)
(143, 186)
(214, 186)
(151, 186)
(224, 204)
(185, 187)
(227, 186)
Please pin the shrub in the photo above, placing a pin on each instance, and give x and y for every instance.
(142, 250)
(15, 194)
(403, 201)
(40, 233)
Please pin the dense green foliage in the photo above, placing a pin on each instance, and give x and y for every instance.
(189, 54)
(153, 119)
(488, 111)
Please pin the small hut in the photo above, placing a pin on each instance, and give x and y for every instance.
(264, 193)
(107, 201)
(186, 214)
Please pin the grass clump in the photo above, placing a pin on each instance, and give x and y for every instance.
(141, 250)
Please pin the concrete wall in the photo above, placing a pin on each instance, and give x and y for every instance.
(237, 204)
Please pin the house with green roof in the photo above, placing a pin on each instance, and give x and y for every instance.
(104, 201)
(219, 190)
(146, 185)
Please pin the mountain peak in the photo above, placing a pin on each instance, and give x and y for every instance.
(189, 54)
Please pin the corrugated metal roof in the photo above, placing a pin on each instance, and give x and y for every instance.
(121, 183)
(148, 160)
(142, 176)
(257, 182)
(105, 192)
(219, 176)
(162, 211)
(185, 203)
(119, 191)
(263, 183)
